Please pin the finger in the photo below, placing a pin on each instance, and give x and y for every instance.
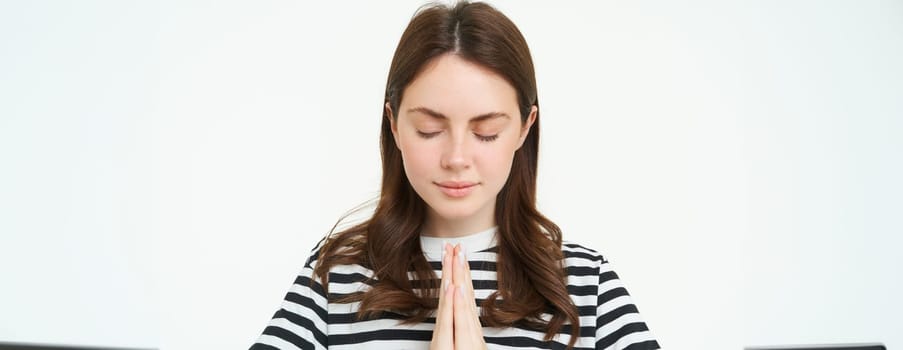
(460, 262)
(467, 323)
(447, 260)
(468, 331)
(469, 294)
(461, 273)
(443, 333)
(467, 280)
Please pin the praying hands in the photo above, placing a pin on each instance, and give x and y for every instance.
(457, 321)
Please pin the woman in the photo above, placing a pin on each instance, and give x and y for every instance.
(456, 256)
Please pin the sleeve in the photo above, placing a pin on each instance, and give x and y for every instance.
(301, 321)
(619, 325)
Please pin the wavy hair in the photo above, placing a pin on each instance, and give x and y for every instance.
(531, 276)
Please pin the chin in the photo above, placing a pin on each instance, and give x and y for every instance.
(451, 212)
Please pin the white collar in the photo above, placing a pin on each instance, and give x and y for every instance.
(432, 246)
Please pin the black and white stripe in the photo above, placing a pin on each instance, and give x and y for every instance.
(608, 318)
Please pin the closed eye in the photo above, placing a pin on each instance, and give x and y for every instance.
(427, 135)
(487, 138)
(484, 138)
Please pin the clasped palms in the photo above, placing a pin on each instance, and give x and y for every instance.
(457, 321)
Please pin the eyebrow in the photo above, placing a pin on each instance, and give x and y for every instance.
(479, 118)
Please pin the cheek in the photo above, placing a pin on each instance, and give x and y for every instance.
(495, 165)
(419, 160)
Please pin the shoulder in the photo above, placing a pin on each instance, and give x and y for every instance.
(585, 261)
(345, 238)
(332, 245)
(579, 253)
(339, 263)
(314, 254)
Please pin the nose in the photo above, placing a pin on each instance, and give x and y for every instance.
(456, 153)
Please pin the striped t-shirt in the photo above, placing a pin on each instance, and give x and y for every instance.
(308, 320)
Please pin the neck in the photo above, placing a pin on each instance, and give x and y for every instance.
(437, 226)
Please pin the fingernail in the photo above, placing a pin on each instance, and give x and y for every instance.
(446, 286)
(461, 288)
(461, 258)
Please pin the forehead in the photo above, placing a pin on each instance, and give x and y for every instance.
(459, 89)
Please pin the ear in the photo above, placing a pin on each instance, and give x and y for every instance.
(525, 130)
(392, 125)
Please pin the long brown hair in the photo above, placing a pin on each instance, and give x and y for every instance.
(531, 276)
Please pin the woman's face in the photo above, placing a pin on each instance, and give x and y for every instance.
(458, 127)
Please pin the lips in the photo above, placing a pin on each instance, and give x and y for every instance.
(456, 189)
(456, 184)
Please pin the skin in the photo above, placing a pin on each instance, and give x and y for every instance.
(457, 320)
(456, 147)
(452, 149)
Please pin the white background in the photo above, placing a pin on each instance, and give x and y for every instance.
(167, 166)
